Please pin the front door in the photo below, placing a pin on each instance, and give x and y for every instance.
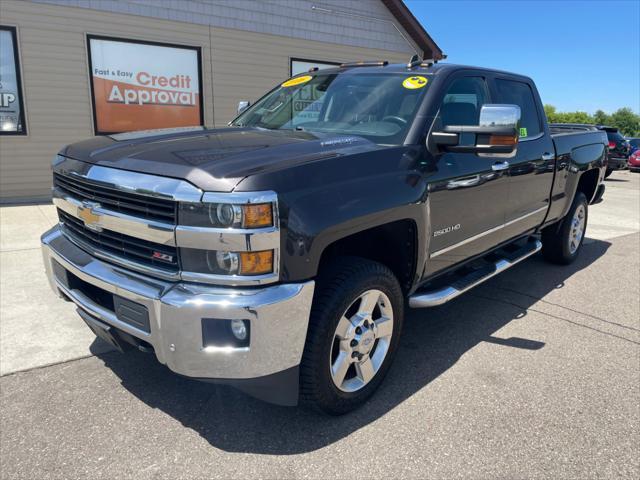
(467, 191)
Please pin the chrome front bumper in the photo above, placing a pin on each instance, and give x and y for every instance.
(278, 315)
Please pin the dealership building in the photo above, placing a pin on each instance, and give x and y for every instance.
(71, 69)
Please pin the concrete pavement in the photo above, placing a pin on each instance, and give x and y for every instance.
(29, 308)
(533, 374)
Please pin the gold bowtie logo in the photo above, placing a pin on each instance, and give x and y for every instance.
(90, 218)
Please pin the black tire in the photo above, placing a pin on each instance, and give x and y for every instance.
(338, 286)
(608, 172)
(556, 238)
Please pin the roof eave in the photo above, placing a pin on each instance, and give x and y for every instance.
(416, 31)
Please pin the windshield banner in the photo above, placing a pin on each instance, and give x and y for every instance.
(141, 86)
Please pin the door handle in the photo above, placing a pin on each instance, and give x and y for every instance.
(499, 166)
(467, 182)
(547, 157)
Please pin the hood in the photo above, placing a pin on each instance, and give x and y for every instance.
(213, 159)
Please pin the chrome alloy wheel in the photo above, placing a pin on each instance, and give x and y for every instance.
(577, 228)
(361, 341)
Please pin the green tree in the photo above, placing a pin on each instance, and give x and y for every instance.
(624, 119)
(627, 121)
(550, 112)
(577, 117)
(601, 118)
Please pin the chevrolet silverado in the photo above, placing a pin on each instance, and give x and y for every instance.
(280, 253)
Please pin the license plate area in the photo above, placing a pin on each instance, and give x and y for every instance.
(104, 331)
(125, 310)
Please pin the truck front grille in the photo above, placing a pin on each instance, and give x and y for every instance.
(130, 203)
(142, 252)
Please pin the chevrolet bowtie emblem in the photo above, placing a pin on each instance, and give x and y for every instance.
(90, 218)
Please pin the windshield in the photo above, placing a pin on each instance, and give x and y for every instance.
(379, 107)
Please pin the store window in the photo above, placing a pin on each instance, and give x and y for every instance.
(139, 85)
(12, 118)
(299, 65)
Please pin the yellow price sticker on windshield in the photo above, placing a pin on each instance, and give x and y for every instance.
(414, 82)
(297, 81)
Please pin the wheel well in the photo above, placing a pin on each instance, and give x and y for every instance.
(393, 244)
(588, 184)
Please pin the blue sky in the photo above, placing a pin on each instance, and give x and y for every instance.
(583, 55)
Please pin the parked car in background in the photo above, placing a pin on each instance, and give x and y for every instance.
(634, 161)
(619, 148)
(634, 143)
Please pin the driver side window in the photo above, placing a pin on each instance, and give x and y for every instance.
(463, 100)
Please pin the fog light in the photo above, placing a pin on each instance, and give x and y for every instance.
(225, 335)
(239, 329)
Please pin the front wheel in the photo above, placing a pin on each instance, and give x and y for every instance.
(561, 243)
(353, 334)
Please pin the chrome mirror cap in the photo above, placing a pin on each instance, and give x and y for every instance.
(243, 105)
(500, 115)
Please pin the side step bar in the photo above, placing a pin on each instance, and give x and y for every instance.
(445, 294)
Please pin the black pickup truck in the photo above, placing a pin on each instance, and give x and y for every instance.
(279, 254)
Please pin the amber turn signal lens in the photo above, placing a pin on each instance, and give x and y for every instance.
(503, 140)
(257, 215)
(256, 263)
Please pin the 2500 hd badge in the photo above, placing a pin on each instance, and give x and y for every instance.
(283, 261)
(449, 229)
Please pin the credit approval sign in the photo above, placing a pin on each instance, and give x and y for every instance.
(143, 86)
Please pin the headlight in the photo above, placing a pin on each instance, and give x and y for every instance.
(226, 263)
(226, 215)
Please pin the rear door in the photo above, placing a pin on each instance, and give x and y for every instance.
(467, 191)
(531, 169)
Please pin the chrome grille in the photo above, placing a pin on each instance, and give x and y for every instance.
(141, 252)
(142, 206)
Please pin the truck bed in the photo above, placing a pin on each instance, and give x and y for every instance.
(578, 142)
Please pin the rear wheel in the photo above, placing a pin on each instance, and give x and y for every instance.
(607, 173)
(354, 331)
(561, 243)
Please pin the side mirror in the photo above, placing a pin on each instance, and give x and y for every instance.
(243, 105)
(496, 132)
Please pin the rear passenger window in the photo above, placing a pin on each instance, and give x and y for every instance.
(518, 93)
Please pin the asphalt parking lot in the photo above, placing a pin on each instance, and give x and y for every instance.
(535, 374)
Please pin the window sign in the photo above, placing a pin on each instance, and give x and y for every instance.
(12, 120)
(143, 86)
(307, 102)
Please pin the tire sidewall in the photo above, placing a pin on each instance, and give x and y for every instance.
(580, 199)
(358, 285)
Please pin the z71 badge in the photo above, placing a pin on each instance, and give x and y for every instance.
(449, 229)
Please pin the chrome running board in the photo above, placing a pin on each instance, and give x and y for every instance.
(444, 294)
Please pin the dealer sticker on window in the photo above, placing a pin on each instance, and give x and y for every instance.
(414, 82)
(297, 81)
